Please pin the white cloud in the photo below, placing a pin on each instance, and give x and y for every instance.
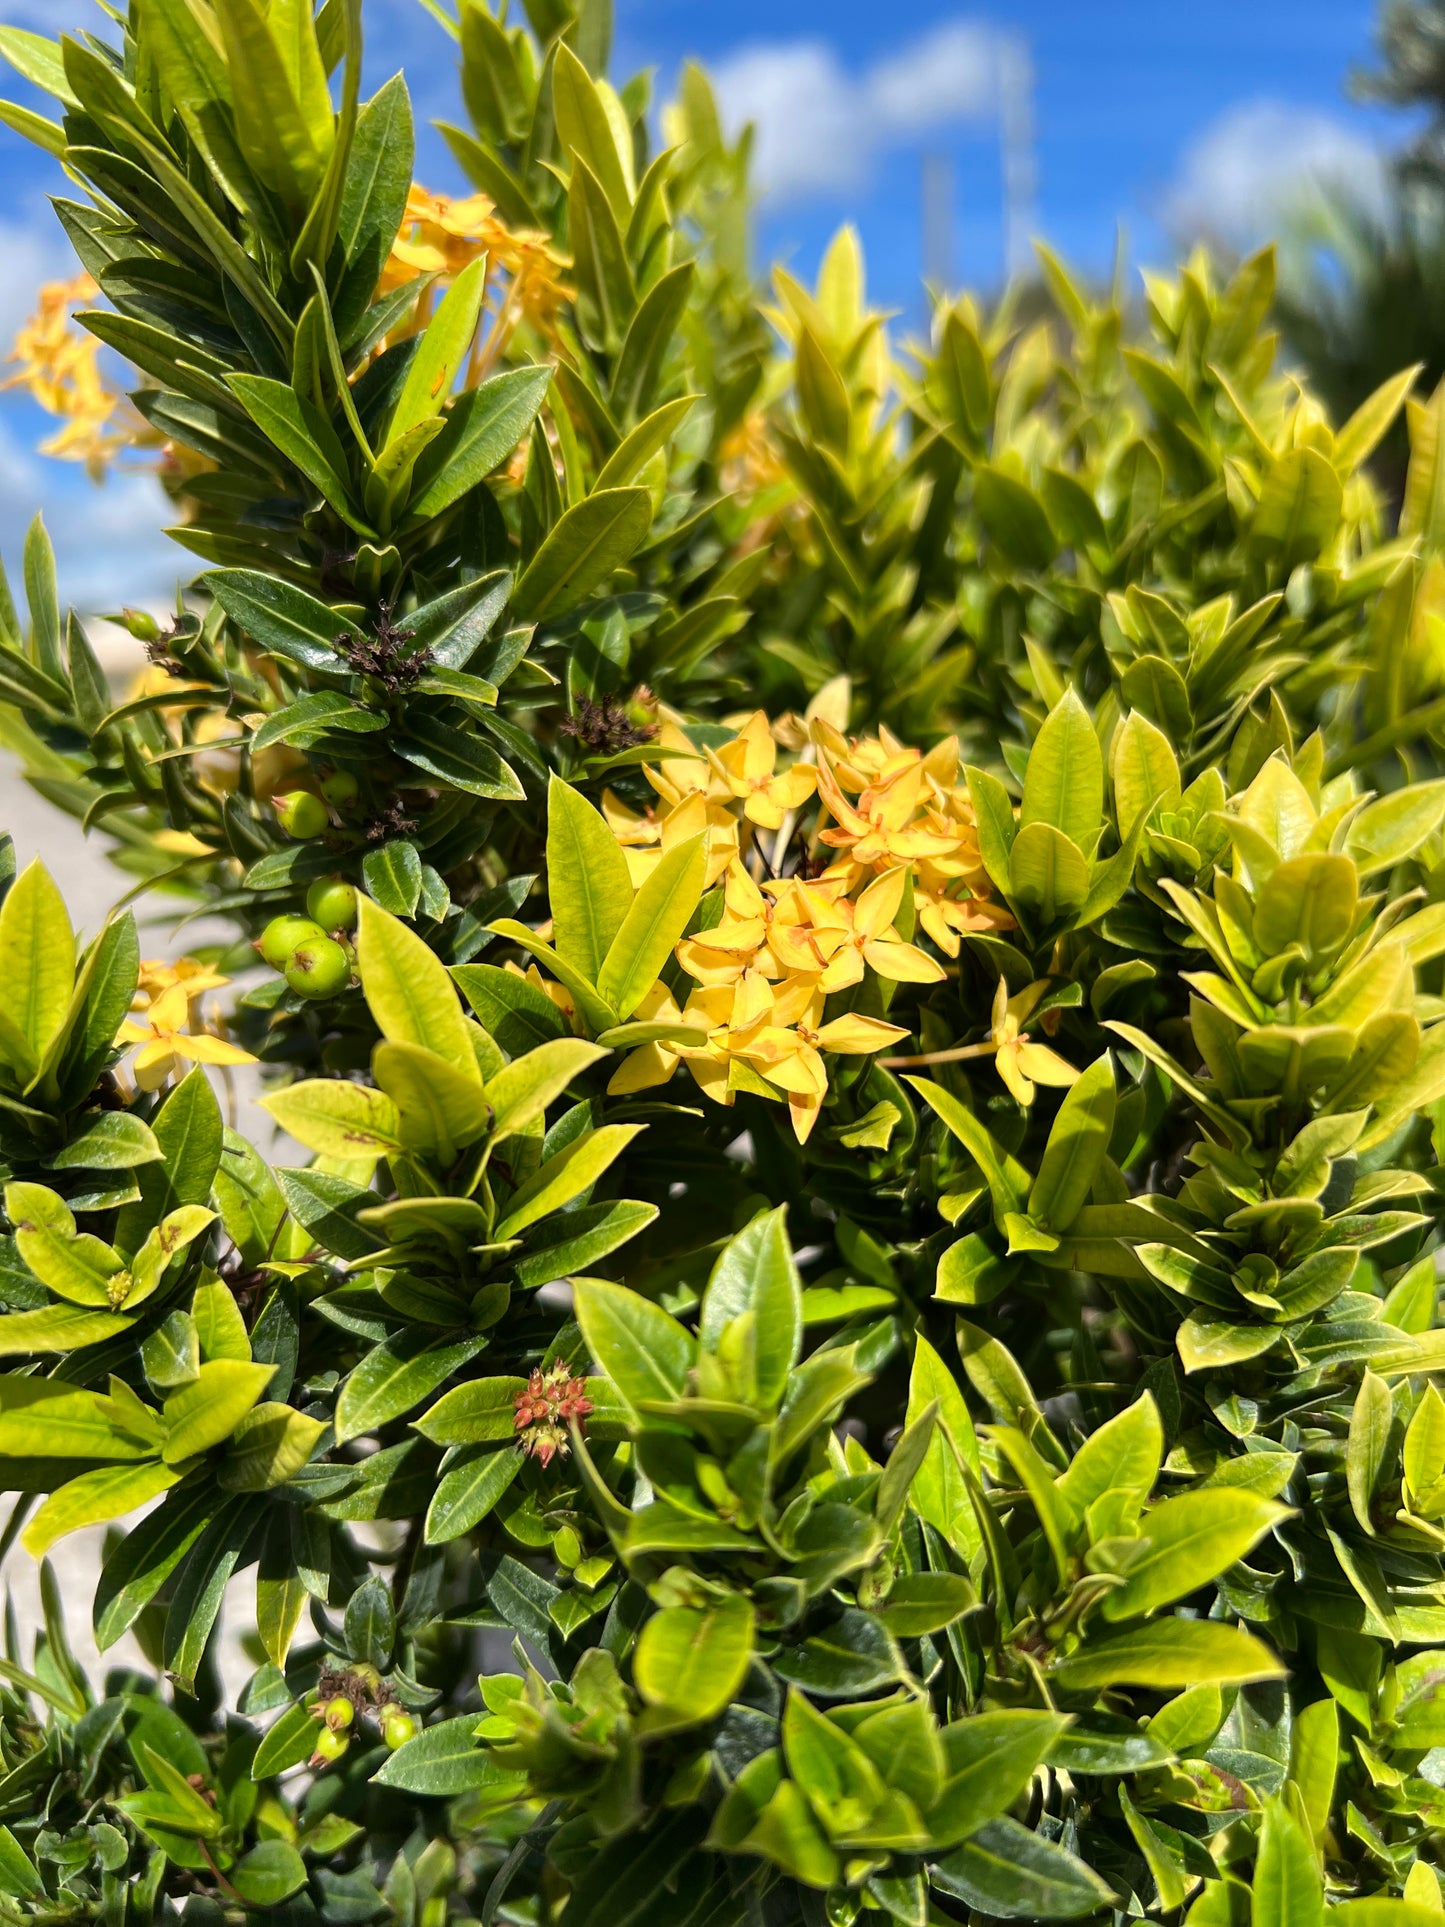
(820, 128)
(1265, 162)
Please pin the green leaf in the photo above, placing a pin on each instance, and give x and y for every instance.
(481, 1412)
(1308, 900)
(1287, 1888)
(573, 1241)
(926, 1602)
(439, 1110)
(1372, 1421)
(690, 1662)
(1145, 769)
(756, 1279)
(1314, 1763)
(1123, 1455)
(988, 1761)
(1008, 1181)
(587, 880)
(1188, 1541)
(336, 1118)
(522, 1090)
(304, 437)
(392, 875)
(200, 1588)
(282, 619)
(396, 1376)
(370, 1625)
(202, 1414)
(594, 538)
(637, 449)
(150, 1552)
(564, 1177)
(1298, 510)
(1048, 875)
(57, 1328)
(373, 199)
(194, 73)
(649, 335)
(852, 1656)
(408, 990)
(282, 146)
(1064, 782)
(994, 814)
(939, 1491)
(1013, 1874)
(269, 1446)
(444, 1760)
(46, 1418)
(442, 351)
(39, 950)
(268, 1874)
(113, 1141)
(588, 131)
(94, 1498)
(512, 1010)
(290, 1741)
(1014, 517)
(1170, 1654)
(595, 1011)
(1053, 1511)
(458, 757)
(468, 1492)
(484, 427)
(1077, 1144)
(643, 1350)
(301, 722)
(659, 914)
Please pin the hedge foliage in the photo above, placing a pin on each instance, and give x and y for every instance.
(850, 977)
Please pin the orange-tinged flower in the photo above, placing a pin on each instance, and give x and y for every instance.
(60, 365)
(746, 766)
(879, 831)
(651, 1064)
(685, 771)
(1021, 1062)
(789, 1051)
(166, 1044)
(868, 937)
(157, 977)
(441, 236)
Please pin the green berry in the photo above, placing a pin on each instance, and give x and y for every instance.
(340, 789)
(329, 1746)
(142, 624)
(332, 903)
(283, 934)
(318, 968)
(397, 1727)
(339, 1713)
(301, 814)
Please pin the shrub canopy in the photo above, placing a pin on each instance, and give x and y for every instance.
(851, 978)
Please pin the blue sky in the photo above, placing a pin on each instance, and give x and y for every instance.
(1166, 121)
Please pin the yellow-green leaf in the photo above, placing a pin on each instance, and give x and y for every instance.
(660, 912)
(408, 990)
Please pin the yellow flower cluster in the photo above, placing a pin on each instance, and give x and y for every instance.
(169, 1027)
(441, 236)
(892, 838)
(60, 365)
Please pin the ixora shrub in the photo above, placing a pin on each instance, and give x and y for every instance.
(847, 953)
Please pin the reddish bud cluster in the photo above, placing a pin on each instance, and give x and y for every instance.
(549, 1400)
